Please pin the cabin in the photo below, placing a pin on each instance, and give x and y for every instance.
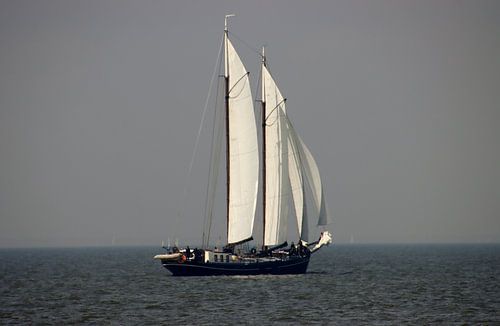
(219, 257)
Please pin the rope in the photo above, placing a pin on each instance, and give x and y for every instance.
(251, 47)
(191, 163)
(213, 170)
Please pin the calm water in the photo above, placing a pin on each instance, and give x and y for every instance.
(358, 284)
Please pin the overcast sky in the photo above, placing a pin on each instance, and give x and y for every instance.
(100, 103)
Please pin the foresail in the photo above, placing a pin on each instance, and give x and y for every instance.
(277, 194)
(243, 149)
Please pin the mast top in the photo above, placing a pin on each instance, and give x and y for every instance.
(225, 21)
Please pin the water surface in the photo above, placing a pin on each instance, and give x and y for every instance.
(345, 284)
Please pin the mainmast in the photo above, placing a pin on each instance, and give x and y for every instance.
(263, 95)
(226, 79)
(242, 150)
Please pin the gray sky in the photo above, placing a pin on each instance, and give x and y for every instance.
(100, 103)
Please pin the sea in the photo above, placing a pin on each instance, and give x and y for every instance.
(344, 285)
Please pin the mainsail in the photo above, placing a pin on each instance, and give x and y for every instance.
(242, 149)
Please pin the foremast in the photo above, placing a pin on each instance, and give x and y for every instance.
(263, 102)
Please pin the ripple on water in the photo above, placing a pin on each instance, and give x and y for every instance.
(344, 285)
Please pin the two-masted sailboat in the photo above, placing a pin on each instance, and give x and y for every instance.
(290, 179)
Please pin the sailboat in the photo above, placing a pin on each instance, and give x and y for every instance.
(290, 179)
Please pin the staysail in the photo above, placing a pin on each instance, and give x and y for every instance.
(243, 149)
(314, 179)
(310, 172)
(297, 183)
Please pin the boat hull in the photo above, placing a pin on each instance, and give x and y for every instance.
(295, 265)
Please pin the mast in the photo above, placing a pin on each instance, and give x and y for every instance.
(263, 95)
(277, 185)
(226, 79)
(242, 150)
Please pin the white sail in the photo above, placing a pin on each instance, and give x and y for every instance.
(311, 172)
(243, 150)
(297, 184)
(276, 159)
(289, 167)
(308, 174)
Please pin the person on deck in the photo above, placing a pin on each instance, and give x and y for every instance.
(292, 251)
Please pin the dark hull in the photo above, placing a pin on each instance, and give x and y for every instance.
(293, 265)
